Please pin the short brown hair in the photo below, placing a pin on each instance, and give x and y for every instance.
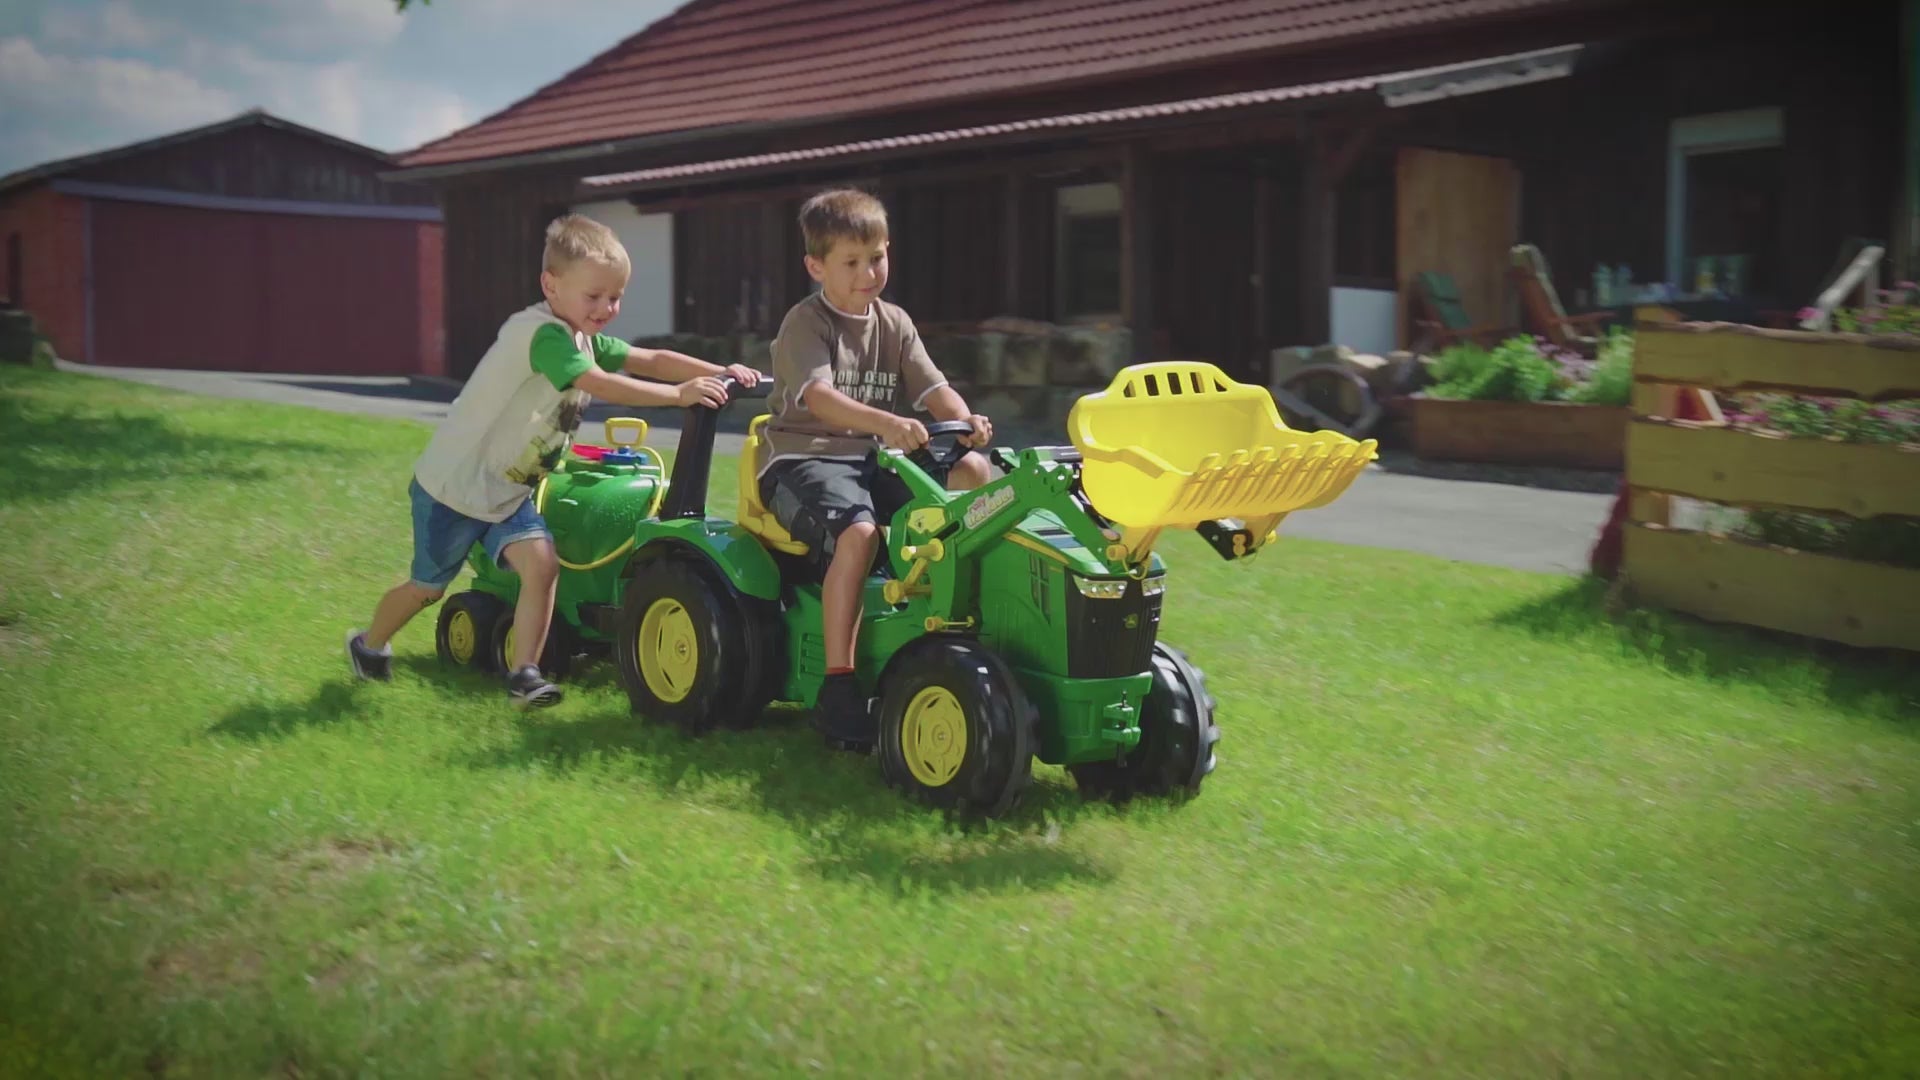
(841, 214)
(573, 238)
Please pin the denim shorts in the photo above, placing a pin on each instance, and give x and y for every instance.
(443, 536)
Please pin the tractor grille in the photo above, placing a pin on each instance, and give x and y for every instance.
(1109, 638)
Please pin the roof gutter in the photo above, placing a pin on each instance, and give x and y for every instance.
(1396, 89)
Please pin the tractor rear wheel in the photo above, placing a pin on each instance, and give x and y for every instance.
(684, 649)
(1177, 735)
(955, 727)
(463, 635)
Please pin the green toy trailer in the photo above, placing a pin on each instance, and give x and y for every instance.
(1013, 621)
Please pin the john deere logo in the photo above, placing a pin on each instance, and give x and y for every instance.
(1133, 622)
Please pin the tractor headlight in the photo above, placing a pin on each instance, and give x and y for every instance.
(1116, 588)
(1101, 588)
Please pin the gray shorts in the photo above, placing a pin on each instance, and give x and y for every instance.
(816, 499)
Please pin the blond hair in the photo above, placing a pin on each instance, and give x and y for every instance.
(574, 238)
(841, 214)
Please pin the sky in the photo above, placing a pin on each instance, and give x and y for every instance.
(84, 75)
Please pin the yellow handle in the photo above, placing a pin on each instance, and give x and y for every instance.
(626, 425)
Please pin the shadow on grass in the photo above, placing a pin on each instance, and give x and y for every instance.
(1862, 682)
(329, 704)
(65, 453)
(863, 830)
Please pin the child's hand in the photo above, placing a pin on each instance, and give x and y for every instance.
(743, 374)
(704, 390)
(905, 433)
(982, 431)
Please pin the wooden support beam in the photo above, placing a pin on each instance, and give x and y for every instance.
(1316, 245)
(1262, 256)
(1345, 148)
(1136, 248)
(1013, 243)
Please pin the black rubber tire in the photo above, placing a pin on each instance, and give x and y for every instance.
(463, 634)
(719, 691)
(556, 656)
(763, 629)
(996, 766)
(1177, 736)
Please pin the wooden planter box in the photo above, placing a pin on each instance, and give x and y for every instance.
(1552, 433)
(1813, 595)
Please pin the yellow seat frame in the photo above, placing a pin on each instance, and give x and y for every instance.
(753, 515)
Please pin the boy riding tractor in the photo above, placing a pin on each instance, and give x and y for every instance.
(1013, 621)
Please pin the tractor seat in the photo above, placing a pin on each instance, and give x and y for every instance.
(754, 516)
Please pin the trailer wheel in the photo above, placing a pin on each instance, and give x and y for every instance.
(463, 636)
(556, 656)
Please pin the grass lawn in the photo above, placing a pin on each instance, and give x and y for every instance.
(1463, 824)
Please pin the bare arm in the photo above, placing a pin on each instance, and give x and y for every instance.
(626, 390)
(670, 366)
(945, 403)
(836, 408)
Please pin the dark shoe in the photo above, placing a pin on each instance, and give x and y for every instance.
(366, 663)
(844, 717)
(528, 689)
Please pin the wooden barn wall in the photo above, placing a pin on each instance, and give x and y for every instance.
(495, 233)
(261, 162)
(738, 263)
(1592, 149)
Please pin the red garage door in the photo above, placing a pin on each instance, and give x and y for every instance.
(247, 291)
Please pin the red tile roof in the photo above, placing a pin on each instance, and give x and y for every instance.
(715, 63)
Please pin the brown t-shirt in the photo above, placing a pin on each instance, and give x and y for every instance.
(876, 359)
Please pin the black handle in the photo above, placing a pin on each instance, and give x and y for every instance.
(687, 491)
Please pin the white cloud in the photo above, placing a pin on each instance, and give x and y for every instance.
(102, 93)
(327, 26)
(115, 25)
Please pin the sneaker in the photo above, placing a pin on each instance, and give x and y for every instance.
(527, 688)
(366, 663)
(843, 715)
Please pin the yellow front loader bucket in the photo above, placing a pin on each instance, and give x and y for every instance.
(1173, 444)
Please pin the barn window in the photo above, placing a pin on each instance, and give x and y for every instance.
(1087, 251)
(1724, 191)
(16, 276)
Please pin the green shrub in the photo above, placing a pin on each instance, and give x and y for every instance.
(1514, 371)
(1610, 381)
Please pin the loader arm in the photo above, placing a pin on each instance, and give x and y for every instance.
(938, 538)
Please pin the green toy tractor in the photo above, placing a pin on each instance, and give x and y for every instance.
(1013, 621)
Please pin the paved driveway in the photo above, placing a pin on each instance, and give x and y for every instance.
(1456, 517)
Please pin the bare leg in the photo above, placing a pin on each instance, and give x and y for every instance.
(840, 595)
(539, 570)
(396, 609)
(969, 472)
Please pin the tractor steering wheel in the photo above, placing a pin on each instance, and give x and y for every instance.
(937, 458)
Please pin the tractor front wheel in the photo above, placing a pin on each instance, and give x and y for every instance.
(955, 727)
(464, 634)
(1177, 734)
(683, 648)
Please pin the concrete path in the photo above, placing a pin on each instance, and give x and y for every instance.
(1458, 516)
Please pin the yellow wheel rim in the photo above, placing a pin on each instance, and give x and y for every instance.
(461, 637)
(506, 648)
(933, 736)
(668, 650)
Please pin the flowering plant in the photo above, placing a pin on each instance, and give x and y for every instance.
(1524, 368)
